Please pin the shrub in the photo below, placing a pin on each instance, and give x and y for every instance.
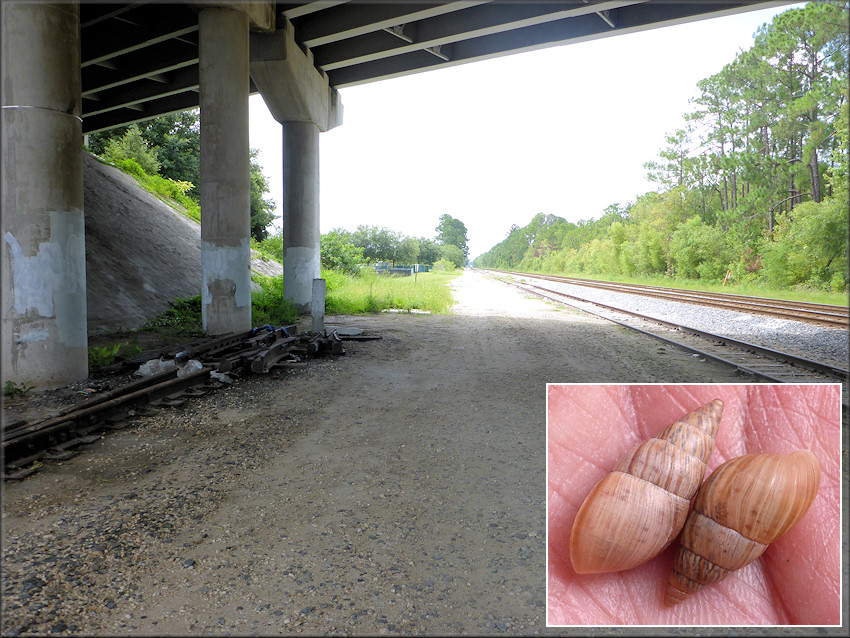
(132, 146)
(699, 250)
(183, 313)
(100, 356)
(452, 253)
(338, 253)
(809, 247)
(268, 305)
(443, 265)
(12, 389)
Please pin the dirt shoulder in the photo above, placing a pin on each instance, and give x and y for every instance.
(397, 489)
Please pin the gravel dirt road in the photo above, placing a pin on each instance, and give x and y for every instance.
(398, 489)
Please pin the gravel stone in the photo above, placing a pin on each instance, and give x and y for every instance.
(827, 345)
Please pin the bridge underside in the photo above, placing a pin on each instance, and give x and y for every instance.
(71, 69)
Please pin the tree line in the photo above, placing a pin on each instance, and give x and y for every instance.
(753, 186)
(347, 250)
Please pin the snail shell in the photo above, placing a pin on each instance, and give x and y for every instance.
(746, 504)
(637, 510)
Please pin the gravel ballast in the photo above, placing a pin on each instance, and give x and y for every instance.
(826, 345)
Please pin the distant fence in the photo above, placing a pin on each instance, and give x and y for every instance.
(384, 268)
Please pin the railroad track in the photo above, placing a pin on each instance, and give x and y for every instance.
(749, 359)
(257, 351)
(819, 314)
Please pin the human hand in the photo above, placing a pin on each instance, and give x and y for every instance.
(797, 579)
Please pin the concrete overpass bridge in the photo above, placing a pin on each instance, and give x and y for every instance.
(76, 68)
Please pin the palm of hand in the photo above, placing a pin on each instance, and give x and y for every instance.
(796, 581)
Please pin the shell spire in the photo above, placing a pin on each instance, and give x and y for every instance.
(746, 504)
(639, 508)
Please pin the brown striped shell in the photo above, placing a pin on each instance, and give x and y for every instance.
(636, 511)
(746, 504)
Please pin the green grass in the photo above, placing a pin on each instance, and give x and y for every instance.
(12, 389)
(369, 292)
(171, 192)
(101, 356)
(810, 295)
(184, 314)
(268, 305)
(345, 295)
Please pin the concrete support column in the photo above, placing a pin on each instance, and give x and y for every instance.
(301, 236)
(45, 342)
(300, 97)
(225, 171)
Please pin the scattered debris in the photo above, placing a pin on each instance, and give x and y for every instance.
(192, 365)
(412, 311)
(167, 380)
(155, 366)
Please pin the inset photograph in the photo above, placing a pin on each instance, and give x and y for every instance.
(693, 504)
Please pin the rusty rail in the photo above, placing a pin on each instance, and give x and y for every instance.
(257, 351)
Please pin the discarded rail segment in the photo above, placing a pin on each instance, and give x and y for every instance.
(190, 371)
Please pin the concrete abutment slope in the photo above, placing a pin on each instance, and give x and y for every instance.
(141, 254)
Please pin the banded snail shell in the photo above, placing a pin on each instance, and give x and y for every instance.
(636, 511)
(746, 504)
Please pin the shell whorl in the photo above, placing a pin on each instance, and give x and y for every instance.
(639, 508)
(746, 504)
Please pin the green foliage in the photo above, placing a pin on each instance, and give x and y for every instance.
(377, 243)
(809, 249)
(755, 184)
(429, 251)
(699, 251)
(166, 151)
(172, 192)
(132, 146)
(338, 253)
(262, 208)
(271, 246)
(452, 232)
(12, 389)
(174, 138)
(184, 313)
(100, 356)
(408, 251)
(453, 254)
(268, 305)
(444, 265)
(369, 292)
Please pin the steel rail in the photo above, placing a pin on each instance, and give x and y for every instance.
(29, 442)
(802, 362)
(803, 305)
(812, 366)
(257, 351)
(823, 314)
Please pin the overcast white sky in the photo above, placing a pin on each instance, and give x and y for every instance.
(563, 130)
